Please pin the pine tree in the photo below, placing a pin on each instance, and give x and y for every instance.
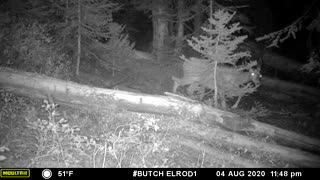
(86, 27)
(219, 47)
(82, 28)
(91, 20)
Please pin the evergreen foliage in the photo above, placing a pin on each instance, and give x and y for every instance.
(219, 47)
(218, 43)
(84, 29)
(100, 37)
(277, 37)
(30, 47)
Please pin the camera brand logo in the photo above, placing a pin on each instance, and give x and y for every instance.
(14, 173)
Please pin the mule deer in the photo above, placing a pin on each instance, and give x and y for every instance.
(198, 72)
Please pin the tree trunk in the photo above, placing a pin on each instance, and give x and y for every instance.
(197, 19)
(160, 28)
(309, 93)
(180, 30)
(79, 39)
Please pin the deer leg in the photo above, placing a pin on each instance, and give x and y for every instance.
(237, 102)
(176, 84)
(223, 101)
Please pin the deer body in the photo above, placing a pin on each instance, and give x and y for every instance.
(229, 80)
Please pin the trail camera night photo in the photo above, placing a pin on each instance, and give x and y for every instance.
(159, 84)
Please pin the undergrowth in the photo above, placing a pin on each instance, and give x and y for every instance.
(51, 140)
(44, 134)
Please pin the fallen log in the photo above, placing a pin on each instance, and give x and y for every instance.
(281, 63)
(235, 123)
(288, 138)
(92, 98)
(143, 55)
(310, 93)
(216, 153)
(305, 159)
(273, 59)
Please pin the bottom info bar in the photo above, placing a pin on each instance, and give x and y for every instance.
(152, 173)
